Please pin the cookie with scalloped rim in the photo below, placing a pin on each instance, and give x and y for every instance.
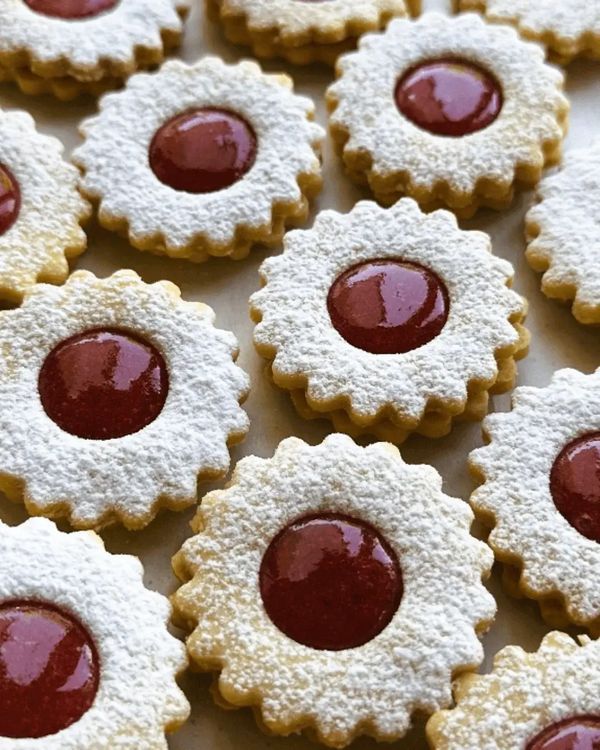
(337, 695)
(127, 479)
(45, 54)
(568, 30)
(138, 698)
(563, 234)
(301, 31)
(525, 694)
(275, 192)
(47, 232)
(384, 150)
(548, 559)
(389, 395)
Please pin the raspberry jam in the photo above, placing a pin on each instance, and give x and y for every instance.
(330, 582)
(103, 384)
(203, 150)
(575, 485)
(71, 8)
(10, 200)
(388, 306)
(49, 670)
(449, 97)
(579, 733)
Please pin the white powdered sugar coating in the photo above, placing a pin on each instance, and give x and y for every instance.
(295, 322)
(525, 443)
(126, 479)
(138, 697)
(314, 22)
(366, 107)
(523, 696)
(568, 27)
(114, 155)
(564, 232)
(88, 48)
(372, 689)
(47, 230)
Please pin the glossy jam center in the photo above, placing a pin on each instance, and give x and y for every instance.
(579, 733)
(49, 670)
(71, 8)
(10, 200)
(103, 384)
(330, 582)
(203, 151)
(575, 485)
(388, 306)
(449, 97)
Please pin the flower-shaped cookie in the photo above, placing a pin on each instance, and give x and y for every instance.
(541, 495)
(389, 320)
(450, 111)
(41, 210)
(549, 700)
(303, 31)
(202, 160)
(114, 396)
(86, 660)
(563, 232)
(336, 588)
(569, 29)
(68, 47)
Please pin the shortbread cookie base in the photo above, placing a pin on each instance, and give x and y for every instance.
(64, 88)
(265, 43)
(561, 50)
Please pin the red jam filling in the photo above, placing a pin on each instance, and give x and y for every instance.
(449, 97)
(10, 200)
(103, 384)
(575, 485)
(579, 733)
(49, 670)
(71, 8)
(388, 306)
(203, 150)
(330, 582)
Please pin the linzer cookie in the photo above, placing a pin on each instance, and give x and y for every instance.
(568, 30)
(549, 700)
(540, 494)
(70, 47)
(202, 160)
(450, 111)
(86, 660)
(115, 396)
(389, 321)
(564, 235)
(41, 210)
(282, 557)
(304, 31)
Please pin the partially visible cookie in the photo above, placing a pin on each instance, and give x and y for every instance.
(453, 112)
(563, 233)
(548, 700)
(568, 28)
(304, 31)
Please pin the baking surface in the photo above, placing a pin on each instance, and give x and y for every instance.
(557, 341)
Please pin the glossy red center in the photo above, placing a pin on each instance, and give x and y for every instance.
(49, 670)
(575, 485)
(71, 8)
(103, 384)
(203, 151)
(579, 733)
(388, 306)
(449, 97)
(330, 582)
(10, 200)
